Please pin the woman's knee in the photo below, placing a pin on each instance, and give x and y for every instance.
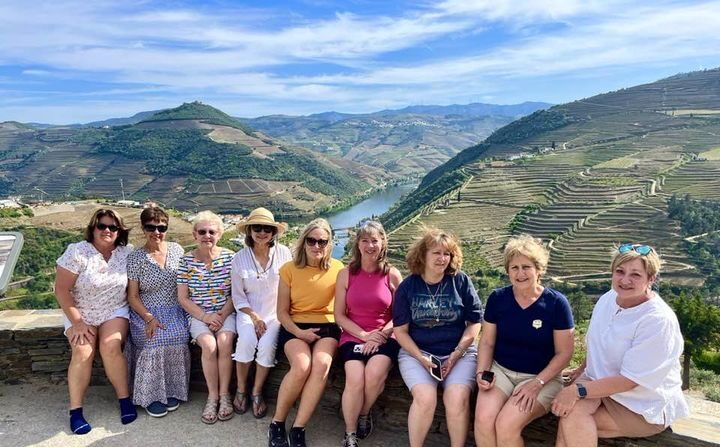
(425, 397)
(110, 347)
(456, 399)
(83, 353)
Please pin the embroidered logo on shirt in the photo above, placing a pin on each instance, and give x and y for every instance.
(537, 324)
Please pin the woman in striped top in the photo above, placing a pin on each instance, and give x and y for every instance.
(203, 283)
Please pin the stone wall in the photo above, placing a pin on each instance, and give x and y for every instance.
(32, 345)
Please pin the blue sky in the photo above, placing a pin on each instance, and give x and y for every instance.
(79, 61)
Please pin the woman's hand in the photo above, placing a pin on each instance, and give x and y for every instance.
(370, 347)
(526, 395)
(214, 321)
(260, 326)
(377, 337)
(82, 333)
(449, 362)
(426, 362)
(564, 401)
(484, 384)
(152, 326)
(308, 335)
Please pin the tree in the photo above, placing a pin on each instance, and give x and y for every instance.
(700, 325)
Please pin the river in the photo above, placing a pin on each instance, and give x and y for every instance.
(376, 204)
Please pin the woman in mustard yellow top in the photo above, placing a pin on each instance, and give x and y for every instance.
(309, 335)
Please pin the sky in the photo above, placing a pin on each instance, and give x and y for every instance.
(73, 61)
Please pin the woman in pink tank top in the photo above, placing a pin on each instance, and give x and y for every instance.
(363, 309)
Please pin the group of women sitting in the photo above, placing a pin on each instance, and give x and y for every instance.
(308, 305)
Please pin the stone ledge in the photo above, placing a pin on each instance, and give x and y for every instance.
(32, 344)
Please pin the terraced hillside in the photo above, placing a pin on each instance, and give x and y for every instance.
(190, 157)
(586, 176)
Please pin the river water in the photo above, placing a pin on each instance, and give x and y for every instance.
(375, 205)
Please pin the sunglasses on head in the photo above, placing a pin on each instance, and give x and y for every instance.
(642, 250)
(262, 228)
(150, 228)
(311, 242)
(203, 232)
(102, 227)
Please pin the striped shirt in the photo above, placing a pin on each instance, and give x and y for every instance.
(209, 289)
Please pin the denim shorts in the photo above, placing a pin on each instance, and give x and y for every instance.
(414, 373)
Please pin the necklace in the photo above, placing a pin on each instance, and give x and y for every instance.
(256, 263)
(434, 297)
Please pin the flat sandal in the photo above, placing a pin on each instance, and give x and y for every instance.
(226, 411)
(210, 412)
(240, 404)
(259, 406)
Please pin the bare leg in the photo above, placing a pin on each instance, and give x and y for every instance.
(225, 343)
(457, 412)
(511, 421)
(376, 372)
(298, 354)
(322, 355)
(209, 347)
(488, 406)
(111, 336)
(261, 374)
(242, 369)
(80, 372)
(353, 394)
(578, 427)
(421, 413)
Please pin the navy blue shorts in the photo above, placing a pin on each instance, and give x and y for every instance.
(390, 349)
(327, 330)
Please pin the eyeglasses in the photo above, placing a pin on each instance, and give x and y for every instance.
(311, 242)
(203, 232)
(102, 227)
(262, 228)
(642, 250)
(150, 228)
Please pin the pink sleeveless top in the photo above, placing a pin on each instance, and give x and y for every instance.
(368, 302)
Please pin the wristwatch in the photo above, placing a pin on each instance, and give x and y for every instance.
(582, 391)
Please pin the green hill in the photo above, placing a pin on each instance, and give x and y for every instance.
(582, 176)
(200, 112)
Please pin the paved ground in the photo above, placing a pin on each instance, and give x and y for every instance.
(36, 415)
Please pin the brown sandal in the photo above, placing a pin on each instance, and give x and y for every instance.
(210, 412)
(225, 412)
(259, 406)
(240, 404)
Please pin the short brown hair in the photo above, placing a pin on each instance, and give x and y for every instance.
(299, 255)
(123, 232)
(530, 247)
(154, 214)
(428, 238)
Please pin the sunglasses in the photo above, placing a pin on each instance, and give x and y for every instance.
(262, 228)
(102, 227)
(203, 232)
(311, 242)
(642, 250)
(150, 228)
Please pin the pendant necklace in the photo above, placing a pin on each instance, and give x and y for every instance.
(435, 296)
(256, 263)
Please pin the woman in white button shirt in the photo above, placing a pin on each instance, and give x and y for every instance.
(255, 277)
(630, 383)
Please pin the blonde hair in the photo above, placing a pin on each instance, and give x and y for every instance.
(428, 238)
(210, 217)
(651, 261)
(299, 255)
(530, 247)
(369, 228)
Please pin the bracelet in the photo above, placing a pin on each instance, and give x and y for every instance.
(149, 321)
(542, 382)
(462, 351)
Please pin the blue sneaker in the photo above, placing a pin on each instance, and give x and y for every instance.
(172, 404)
(156, 409)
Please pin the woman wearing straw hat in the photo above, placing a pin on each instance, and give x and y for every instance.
(255, 277)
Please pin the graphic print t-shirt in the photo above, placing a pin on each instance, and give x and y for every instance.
(437, 317)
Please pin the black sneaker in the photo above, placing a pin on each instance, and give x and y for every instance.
(350, 440)
(365, 426)
(297, 437)
(277, 437)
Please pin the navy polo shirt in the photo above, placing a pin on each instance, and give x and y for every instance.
(524, 341)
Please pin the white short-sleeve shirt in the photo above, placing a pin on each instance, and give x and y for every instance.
(256, 286)
(644, 344)
(101, 287)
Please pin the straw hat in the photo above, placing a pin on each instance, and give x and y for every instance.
(262, 216)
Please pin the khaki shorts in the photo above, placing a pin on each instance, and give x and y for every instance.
(630, 423)
(197, 327)
(507, 380)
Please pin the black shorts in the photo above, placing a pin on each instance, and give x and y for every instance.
(390, 349)
(327, 330)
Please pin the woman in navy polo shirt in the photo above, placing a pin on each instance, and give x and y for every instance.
(436, 317)
(526, 341)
